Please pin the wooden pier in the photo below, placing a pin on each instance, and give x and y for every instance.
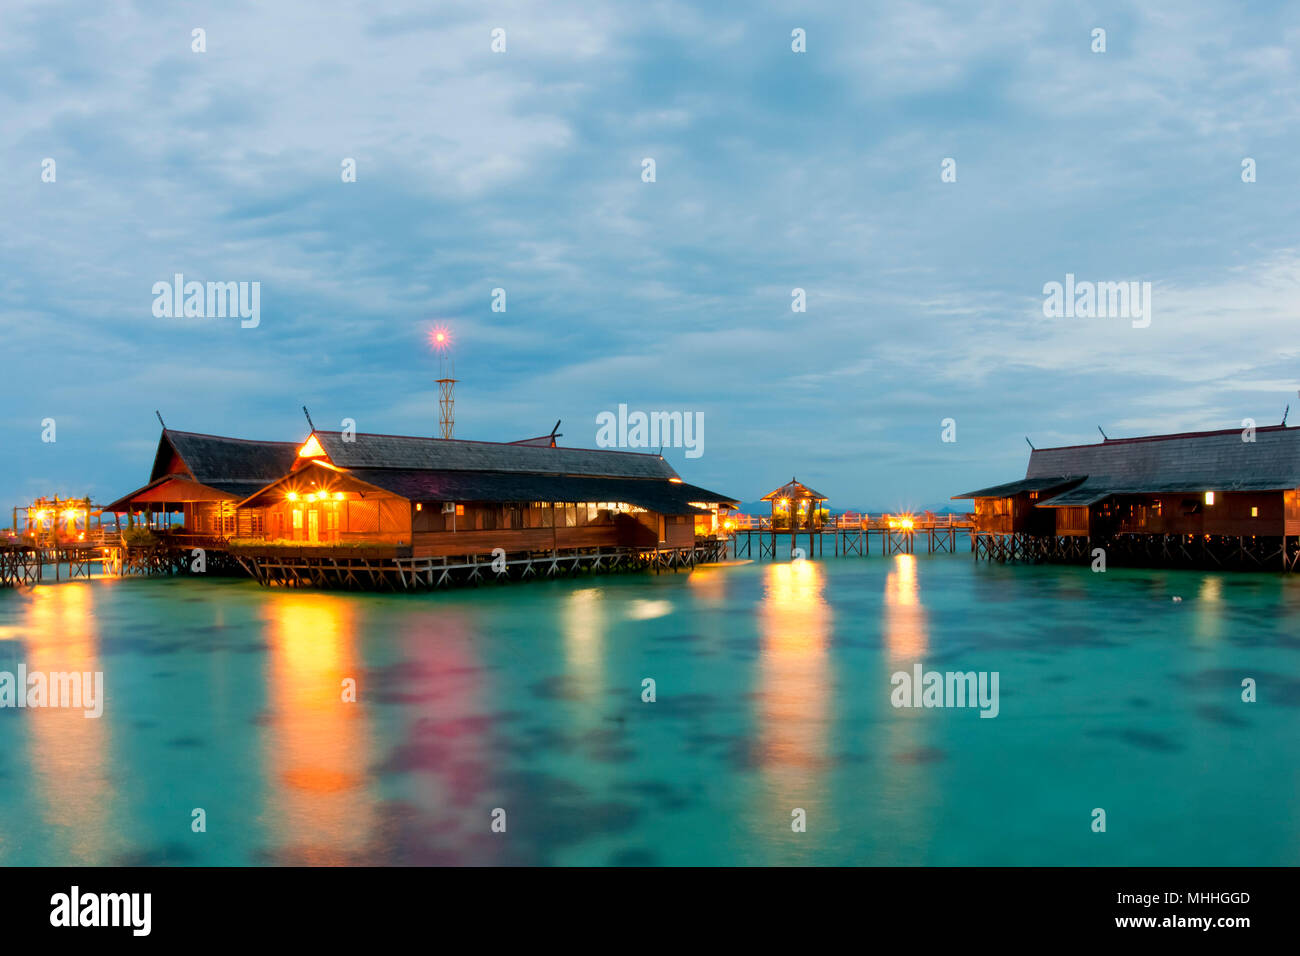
(399, 569)
(894, 535)
(1200, 551)
(26, 564)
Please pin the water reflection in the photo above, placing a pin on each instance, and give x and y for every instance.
(794, 676)
(68, 752)
(708, 584)
(1208, 620)
(904, 625)
(906, 789)
(584, 639)
(317, 744)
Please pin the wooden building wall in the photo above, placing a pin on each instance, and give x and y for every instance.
(375, 518)
(544, 526)
(1233, 514)
(1017, 514)
(471, 527)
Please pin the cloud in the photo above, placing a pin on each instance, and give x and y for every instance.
(522, 171)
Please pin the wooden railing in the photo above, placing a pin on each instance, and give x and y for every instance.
(855, 522)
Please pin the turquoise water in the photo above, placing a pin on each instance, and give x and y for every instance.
(773, 693)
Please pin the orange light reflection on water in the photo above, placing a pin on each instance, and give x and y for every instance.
(317, 747)
(69, 752)
(794, 677)
(905, 624)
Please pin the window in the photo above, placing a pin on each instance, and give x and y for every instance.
(571, 515)
(1254, 511)
(297, 519)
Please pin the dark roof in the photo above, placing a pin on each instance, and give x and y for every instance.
(1160, 464)
(421, 484)
(235, 466)
(1023, 485)
(439, 454)
(1187, 462)
(794, 489)
(665, 497)
(1077, 498)
(215, 460)
(124, 503)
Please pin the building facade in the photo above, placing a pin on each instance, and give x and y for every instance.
(1218, 498)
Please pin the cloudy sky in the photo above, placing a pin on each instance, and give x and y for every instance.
(522, 170)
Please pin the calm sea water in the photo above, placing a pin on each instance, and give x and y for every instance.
(773, 693)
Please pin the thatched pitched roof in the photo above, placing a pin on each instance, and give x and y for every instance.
(438, 454)
(233, 467)
(794, 489)
(214, 459)
(1021, 485)
(424, 484)
(1187, 462)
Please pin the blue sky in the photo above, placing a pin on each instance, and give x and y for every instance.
(522, 170)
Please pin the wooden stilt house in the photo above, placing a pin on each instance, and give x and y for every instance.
(1231, 495)
(443, 497)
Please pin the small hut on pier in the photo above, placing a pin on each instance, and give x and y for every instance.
(795, 507)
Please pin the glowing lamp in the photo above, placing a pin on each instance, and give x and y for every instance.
(311, 448)
(292, 496)
(1209, 497)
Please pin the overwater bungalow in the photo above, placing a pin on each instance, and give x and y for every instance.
(1220, 498)
(202, 478)
(454, 497)
(357, 509)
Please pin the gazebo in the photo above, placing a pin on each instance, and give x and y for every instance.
(795, 508)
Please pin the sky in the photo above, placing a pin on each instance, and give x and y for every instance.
(522, 170)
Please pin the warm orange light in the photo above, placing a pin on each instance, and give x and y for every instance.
(338, 496)
(311, 448)
(675, 481)
(292, 496)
